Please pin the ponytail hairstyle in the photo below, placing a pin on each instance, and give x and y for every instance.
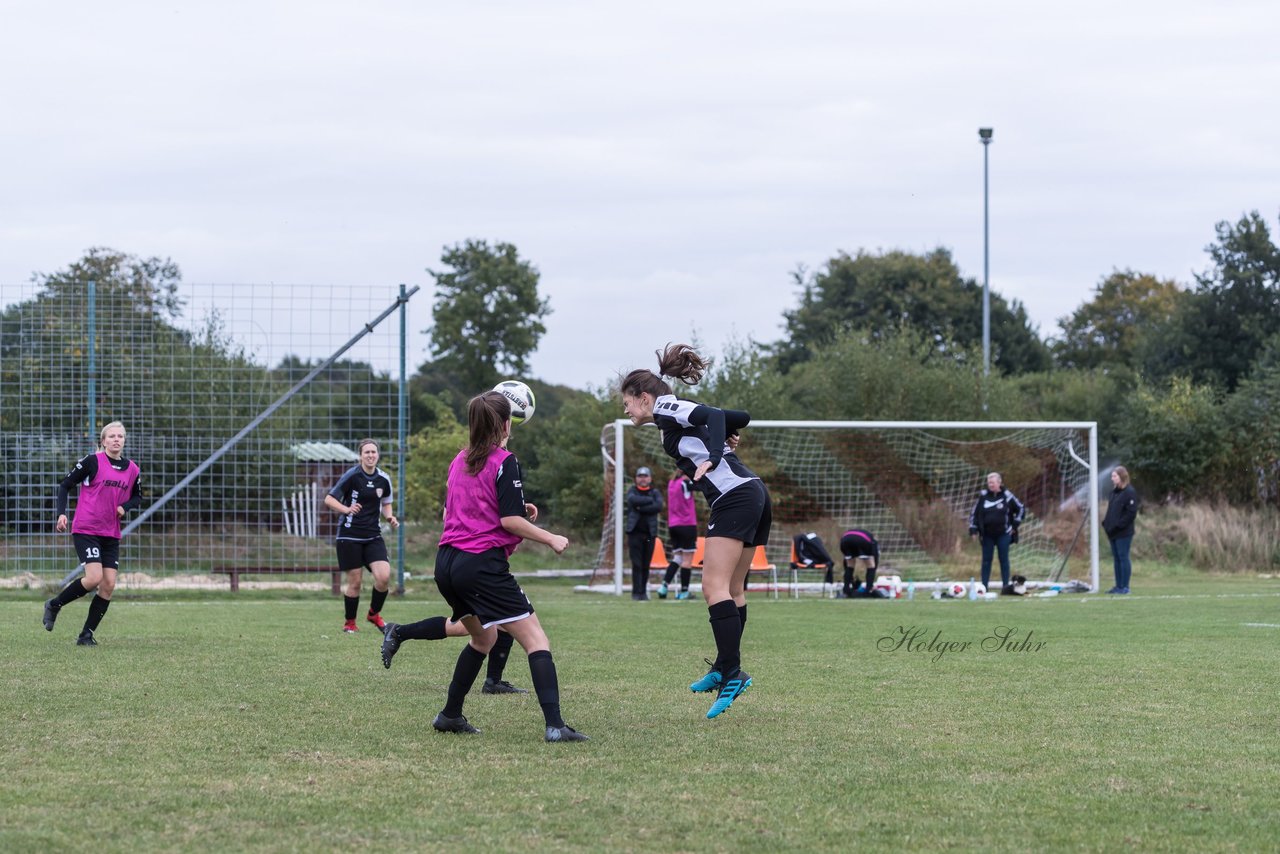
(487, 416)
(678, 361)
(102, 434)
(360, 445)
(1124, 475)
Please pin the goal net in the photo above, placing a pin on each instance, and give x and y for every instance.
(912, 484)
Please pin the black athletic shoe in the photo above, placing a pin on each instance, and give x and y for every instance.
(564, 733)
(86, 639)
(502, 686)
(50, 614)
(458, 724)
(390, 644)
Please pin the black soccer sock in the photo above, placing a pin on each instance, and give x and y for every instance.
(742, 615)
(670, 573)
(686, 573)
(97, 608)
(726, 627)
(546, 685)
(432, 628)
(464, 676)
(376, 601)
(352, 604)
(498, 657)
(849, 582)
(70, 593)
(871, 578)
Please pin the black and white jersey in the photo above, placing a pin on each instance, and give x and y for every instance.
(690, 430)
(370, 491)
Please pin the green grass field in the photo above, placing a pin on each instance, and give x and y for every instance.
(251, 723)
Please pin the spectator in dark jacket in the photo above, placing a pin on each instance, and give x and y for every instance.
(1122, 510)
(995, 519)
(644, 503)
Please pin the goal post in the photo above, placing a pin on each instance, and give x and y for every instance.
(911, 483)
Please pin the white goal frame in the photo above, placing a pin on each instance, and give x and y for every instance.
(621, 482)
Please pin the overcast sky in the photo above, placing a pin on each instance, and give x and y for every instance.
(664, 165)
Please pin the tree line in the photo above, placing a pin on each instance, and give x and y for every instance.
(1183, 379)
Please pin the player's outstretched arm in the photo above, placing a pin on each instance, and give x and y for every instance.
(522, 527)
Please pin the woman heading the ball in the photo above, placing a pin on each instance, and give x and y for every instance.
(366, 489)
(741, 513)
(108, 490)
(484, 521)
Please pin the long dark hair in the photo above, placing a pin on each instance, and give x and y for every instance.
(678, 361)
(487, 416)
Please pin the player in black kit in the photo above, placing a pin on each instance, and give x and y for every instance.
(694, 435)
(362, 495)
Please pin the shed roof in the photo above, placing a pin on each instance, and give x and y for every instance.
(324, 452)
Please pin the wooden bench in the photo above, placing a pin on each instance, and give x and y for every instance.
(236, 571)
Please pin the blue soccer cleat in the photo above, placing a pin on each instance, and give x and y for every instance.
(730, 691)
(710, 682)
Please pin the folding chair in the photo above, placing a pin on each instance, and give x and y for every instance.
(797, 565)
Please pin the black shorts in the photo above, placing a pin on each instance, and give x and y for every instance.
(684, 538)
(743, 513)
(353, 554)
(95, 549)
(480, 585)
(858, 547)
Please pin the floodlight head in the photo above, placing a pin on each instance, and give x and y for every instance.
(985, 135)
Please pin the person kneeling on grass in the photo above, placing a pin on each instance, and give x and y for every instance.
(484, 521)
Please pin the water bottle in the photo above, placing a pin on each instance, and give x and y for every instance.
(911, 590)
(973, 589)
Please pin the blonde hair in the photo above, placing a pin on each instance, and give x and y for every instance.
(1124, 475)
(102, 434)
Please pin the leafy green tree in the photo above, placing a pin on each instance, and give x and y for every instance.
(1174, 439)
(1220, 329)
(1253, 423)
(563, 466)
(431, 450)
(881, 293)
(1106, 332)
(148, 285)
(487, 313)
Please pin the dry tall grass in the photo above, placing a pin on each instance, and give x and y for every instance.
(1210, 536)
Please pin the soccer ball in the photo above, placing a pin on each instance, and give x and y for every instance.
(520, 396)
(982, 588)
(957, 591)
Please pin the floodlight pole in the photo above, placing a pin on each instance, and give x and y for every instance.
(984, 134)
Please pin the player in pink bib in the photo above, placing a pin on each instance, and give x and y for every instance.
(108, 489)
